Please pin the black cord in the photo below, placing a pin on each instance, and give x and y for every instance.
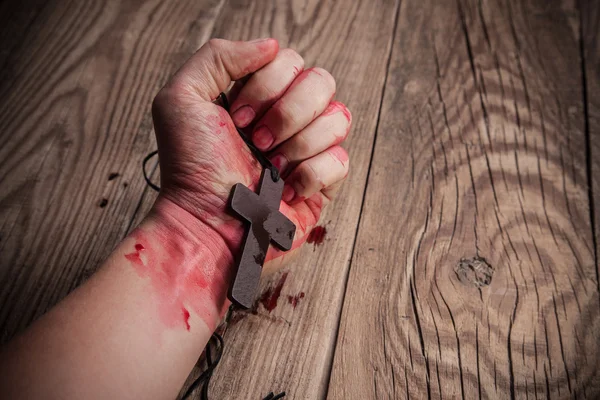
(216, 340)
(148, 181)
(204, 378)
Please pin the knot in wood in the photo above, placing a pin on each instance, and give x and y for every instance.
(474, 271)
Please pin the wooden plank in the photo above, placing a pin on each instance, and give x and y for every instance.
(16, 21)
(290, 348)
(75, 111)
(473, 273)
(590, 49)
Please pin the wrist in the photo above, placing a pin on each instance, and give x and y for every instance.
(188, 263)
(209, 209)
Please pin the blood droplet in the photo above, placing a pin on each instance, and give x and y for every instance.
(186, 318)
(294, 300)
(270, 296)
(317, 235)
(335, 107)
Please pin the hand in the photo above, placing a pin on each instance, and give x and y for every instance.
(136, 328)
(287, 111)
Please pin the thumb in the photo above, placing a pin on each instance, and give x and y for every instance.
(218, 62)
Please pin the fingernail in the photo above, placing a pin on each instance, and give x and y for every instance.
(260, 40)
(288, 193)
(263, 138)
(280, 162)
(243, 116)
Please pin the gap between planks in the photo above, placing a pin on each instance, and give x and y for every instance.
(362, 204)
(588, 139)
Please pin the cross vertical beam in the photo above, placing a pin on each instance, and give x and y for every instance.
(266, 224)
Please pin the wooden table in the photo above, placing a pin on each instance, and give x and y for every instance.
(460, 260)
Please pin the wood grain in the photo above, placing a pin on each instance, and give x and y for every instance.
(473, 273)
(77, 82)
(290, 348)
(479, 173)
(590, 69)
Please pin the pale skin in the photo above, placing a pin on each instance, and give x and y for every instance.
(137, 327)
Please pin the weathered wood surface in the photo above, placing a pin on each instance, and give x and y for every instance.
(590, 63)
(77, 81)
(480, 153)
(485, 148)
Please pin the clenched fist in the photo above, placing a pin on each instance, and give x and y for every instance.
(287, 111)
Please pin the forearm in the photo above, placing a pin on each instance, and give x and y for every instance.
(137, 327)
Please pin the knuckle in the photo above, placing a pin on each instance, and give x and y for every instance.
(341, 130)
(216, 51)
(170, 94)
(170, 101)
(265, 89)
(302, 146)
(328, 79)
(293, 56)
(215, 44)
(342, 161)
(307, 175)
(288, 112)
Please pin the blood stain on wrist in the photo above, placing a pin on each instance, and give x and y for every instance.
(135, 256)
(183, 277)
(186, 317)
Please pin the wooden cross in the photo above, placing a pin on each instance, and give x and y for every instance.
(267, 224)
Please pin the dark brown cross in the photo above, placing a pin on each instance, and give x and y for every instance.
(267, 224)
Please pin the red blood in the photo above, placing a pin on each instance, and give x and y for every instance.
(317, 235)
(274, 253)
(294, 300)
(270, 296)
(135, 256)
(335, 107)
(182, 272)
(186, 318)
(296, 70)
(305, 215)
(229, 164)
(339, 153)
(305, 74)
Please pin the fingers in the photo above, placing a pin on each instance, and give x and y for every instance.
(317, 173)
(265, 87)
(212, 68)
(305, 99)
(329, 129)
